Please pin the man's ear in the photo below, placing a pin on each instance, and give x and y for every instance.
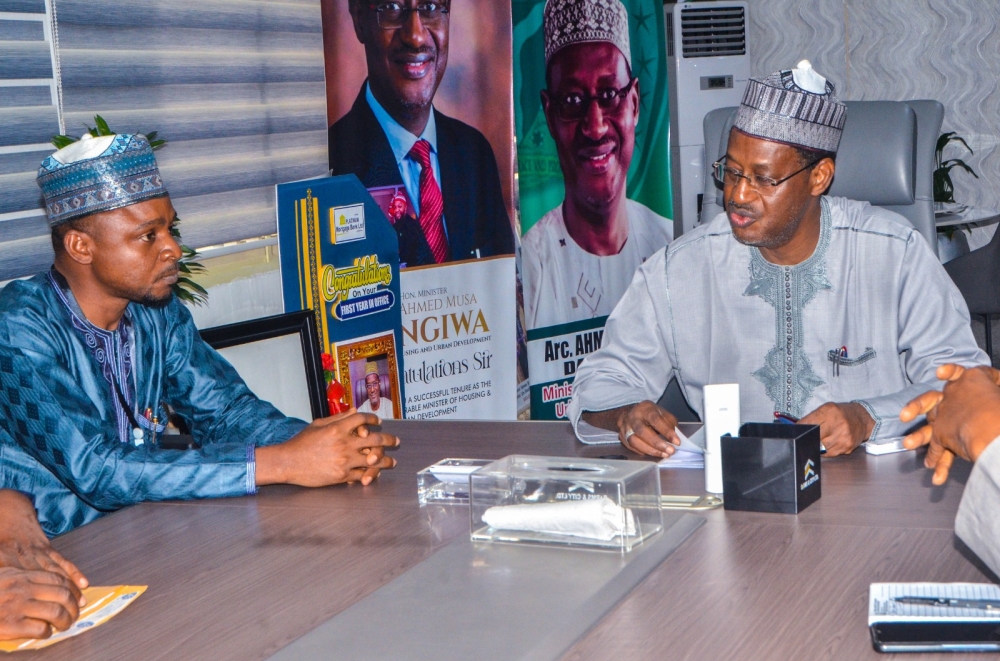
(354, 6)
(546, 105)
(634, 94)
(79, 246)
(821, 177)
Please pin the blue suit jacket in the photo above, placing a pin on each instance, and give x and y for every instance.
(58, 435)
(474, 211)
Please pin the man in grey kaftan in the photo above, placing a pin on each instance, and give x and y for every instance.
(712, 310)
(820, 308)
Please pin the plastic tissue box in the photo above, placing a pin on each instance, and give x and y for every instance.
(447, 481)
(563, 500)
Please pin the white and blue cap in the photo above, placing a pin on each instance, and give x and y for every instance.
(798, 107)
(568, 22)
(98, 174)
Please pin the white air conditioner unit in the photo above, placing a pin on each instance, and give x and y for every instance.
(708, 57)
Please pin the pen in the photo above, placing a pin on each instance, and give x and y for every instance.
(978, 604)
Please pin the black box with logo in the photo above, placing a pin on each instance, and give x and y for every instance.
(771, 468)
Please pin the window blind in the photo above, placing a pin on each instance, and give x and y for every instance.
(29, 116)
(235, 86)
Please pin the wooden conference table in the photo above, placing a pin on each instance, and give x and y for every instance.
(241, 578)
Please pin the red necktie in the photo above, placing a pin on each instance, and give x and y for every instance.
(431, 202)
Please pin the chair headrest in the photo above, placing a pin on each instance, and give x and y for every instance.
(876, 161)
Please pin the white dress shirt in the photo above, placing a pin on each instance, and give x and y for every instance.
(401, 142)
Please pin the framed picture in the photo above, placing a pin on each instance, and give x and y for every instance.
(394, 202)
(368, 371)
(279, 359)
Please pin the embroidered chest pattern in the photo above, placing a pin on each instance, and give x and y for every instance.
(788, 374)
(113, 352)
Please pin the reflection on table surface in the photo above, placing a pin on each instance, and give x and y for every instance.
(240, 578)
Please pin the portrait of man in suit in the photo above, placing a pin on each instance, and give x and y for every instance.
(394, 135)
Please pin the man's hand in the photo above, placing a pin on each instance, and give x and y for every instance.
(331, 450)
(842, 427)
(32, 603)
(963, 420)
(643, 428)
(23, 545)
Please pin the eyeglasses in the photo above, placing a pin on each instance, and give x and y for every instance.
(393, 15)
(756, 182)
(573, 106)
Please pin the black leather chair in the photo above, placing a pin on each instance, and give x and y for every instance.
(978, 278)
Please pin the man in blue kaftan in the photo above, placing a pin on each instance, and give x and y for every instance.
(93, 350)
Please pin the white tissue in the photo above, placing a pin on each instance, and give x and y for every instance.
(84, 148)
(806, 77)
(597, 518)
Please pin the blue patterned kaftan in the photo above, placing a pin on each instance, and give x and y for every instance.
(62, 435)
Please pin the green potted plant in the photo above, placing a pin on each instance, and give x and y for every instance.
(951, 244)
(185, 288)
(944, 189)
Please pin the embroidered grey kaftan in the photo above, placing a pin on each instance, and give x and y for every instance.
(711, 310)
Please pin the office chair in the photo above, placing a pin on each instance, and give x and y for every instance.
(977, 276)
(886, 157)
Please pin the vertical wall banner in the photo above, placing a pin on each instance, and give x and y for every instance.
(593, 153)
(420, 111)
(458, 343)
(340, 258)
(554, 353)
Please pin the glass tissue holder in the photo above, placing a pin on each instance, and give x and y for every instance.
(570, 501)
(447, 481)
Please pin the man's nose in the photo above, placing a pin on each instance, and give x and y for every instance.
(741, 193)
(172, 250)
(594, 124)
(412, 32)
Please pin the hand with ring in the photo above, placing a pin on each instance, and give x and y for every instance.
(647, 429)
(643, 428)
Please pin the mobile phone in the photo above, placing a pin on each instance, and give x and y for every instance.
(786, 419)
(936, 636)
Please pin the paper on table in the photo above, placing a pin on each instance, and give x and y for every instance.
(596, 518)
(683, 459)
(690, 434)
(689, 454)
(103, 603)
(882, 607)
(888, 447)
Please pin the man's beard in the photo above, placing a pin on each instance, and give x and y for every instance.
(416, 106)
(151, 301)
(146, 297)
(773, 241)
